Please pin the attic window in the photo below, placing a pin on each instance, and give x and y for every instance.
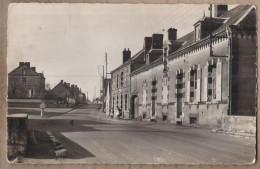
(24, 71)
(197, 32)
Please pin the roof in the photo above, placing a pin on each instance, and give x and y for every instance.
(32, 72)
(231, 16)
(141, 52)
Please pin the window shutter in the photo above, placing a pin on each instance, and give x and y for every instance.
(218, 81)
(188, 87)
(205, 87)
(198, 85)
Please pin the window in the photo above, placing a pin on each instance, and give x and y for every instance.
(193, 85)
(125, 101)
(24, 80)
(211, 82)
(122, 79)
(117, 81)
(24, 71)
(197, 32)
(116, 101)
(121, 102)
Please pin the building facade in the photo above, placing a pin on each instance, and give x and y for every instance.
(203, 76)
(25, 83)
(66, 95)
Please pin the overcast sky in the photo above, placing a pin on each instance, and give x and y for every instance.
(68, 41)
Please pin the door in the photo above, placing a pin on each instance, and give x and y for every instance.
(134, 111)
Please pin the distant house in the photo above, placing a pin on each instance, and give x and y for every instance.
(63, 93)
(24, 82)
(67, 95)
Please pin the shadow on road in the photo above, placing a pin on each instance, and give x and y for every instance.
(45, 150)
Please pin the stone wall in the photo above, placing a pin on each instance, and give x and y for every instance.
(244, 124)
(17, 135)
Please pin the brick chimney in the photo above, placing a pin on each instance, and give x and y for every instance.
(172, 34)
(27, 64)
(61, 81)
(157, 41)
(126, 55)
(147, 43)
(220, 10)
(21, 64)
(34, 69)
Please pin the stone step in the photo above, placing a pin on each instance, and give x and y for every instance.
(62, 153)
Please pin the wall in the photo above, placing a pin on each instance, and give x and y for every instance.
(244, 75)
(207, 113)
(244, 124)
(121, 90)
(17, 135)
(17, 89)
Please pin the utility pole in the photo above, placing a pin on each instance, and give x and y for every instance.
(103, 89)
(106, 64)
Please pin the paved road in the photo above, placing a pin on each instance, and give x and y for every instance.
(92, 139)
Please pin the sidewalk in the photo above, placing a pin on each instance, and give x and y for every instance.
(163, 125)
(35, 113)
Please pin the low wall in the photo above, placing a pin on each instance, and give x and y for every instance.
(17, 135)
(245, 124)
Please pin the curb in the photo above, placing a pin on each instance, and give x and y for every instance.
(234, 133)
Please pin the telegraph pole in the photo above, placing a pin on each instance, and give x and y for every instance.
(106, 64)
(103, 89)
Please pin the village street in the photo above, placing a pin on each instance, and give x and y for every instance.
(91, 138)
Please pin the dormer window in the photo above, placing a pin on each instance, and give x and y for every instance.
(197, 32)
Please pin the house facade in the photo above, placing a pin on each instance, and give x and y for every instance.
(203, 76)
(25, 83)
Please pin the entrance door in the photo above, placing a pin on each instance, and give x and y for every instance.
(179, 94)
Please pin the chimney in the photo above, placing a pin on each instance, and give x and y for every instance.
(34, 69)
(157, 41)
(21, 64)
(147, 43)
(61, 81)
(172, 34)
(65, 84)
(220, 10)
(126, 55)
(72, 86)
(27, 64)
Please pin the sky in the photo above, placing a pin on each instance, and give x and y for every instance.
(68, 41)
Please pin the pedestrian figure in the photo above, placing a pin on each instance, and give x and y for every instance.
(42, 106)
(71, 122)
(119, 112)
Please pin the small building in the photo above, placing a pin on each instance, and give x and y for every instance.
(64, 95)
(121, 83)
(25, 83)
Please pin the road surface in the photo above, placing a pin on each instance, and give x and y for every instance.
(93, 140)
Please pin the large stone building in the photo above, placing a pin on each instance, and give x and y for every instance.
(25, 83)
(195, 83)
(204, 77)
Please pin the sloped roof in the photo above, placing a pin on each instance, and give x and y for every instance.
(29, 71)
(141, 52)
(231, 16)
